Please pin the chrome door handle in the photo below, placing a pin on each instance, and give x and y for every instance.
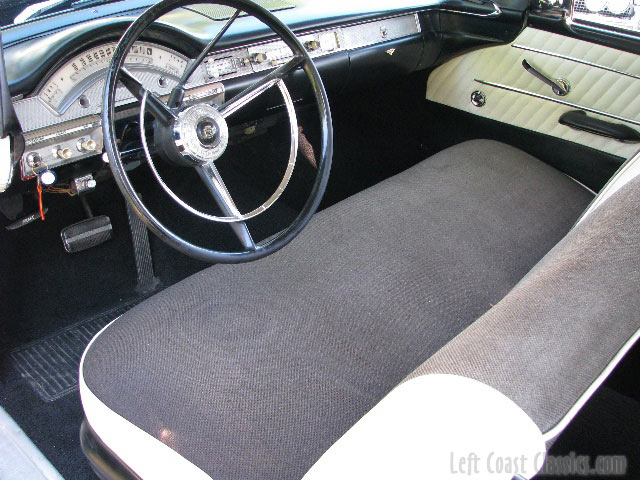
(559, 86)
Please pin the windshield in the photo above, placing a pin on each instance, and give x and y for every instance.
(17, 11)
(10, 8)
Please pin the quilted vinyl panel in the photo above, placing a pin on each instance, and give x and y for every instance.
(607, 91)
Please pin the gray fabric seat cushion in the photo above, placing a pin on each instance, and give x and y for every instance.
(257, 369)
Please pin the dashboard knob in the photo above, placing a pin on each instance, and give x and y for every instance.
(312, 45)
(64, 153)
(88, 145)
(260, 58)
(34, 160)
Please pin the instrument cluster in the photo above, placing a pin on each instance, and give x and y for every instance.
(62, 121)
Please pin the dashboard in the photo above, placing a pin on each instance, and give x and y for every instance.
(56, 65)
(61, 120)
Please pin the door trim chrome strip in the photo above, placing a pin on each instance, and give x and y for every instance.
(497, 11)
(556, 100)
(557, 429)
(577, 60)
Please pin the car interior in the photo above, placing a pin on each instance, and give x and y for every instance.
(286, 239)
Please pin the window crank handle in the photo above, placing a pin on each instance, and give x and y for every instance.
(560, 86)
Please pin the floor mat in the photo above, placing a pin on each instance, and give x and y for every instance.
(50, 364)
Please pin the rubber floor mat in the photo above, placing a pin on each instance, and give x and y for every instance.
(50, 364)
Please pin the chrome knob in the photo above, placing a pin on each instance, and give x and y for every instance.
(260, 58)
(34, 160)
(88, 145)
(64, 153)
(478, 98)
(312, 45)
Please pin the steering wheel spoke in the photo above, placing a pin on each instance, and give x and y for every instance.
(214, 183)
(177, 94)
(157, 108)
(261, 86)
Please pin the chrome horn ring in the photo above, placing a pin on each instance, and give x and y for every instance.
(293, 154)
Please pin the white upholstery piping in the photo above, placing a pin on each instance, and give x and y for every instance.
(145, 455)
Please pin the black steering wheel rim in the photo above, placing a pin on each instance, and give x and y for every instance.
(131, 35)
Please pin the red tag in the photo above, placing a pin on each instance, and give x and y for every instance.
(39, 188)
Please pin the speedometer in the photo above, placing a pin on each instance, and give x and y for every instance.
(80, 73)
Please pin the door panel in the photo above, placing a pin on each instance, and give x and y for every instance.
(604, 82)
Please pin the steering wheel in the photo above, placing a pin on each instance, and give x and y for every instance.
(197, 135)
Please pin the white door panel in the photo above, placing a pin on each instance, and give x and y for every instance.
(602, 80)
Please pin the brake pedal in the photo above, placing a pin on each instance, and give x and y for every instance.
(87, 234)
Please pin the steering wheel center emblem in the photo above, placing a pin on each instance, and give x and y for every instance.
(201, 134)
(207, 132)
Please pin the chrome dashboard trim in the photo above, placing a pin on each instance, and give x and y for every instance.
(497, 11)
(61, 37)
(32, 110)
(577, 60)
(31, 140)
(332, 29)
(557, 100)
(575, 27)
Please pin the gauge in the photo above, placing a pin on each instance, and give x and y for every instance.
(221, 67)
(595, 5)
(69, 83)
(618, 7)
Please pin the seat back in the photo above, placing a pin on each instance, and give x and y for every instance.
(554, 339)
